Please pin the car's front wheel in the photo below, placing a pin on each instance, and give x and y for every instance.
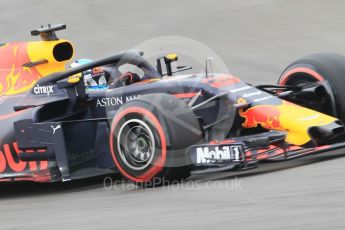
(149, 137)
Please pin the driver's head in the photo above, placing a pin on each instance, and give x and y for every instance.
(93, 78)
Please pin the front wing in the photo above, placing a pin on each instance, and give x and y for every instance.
(247, 152)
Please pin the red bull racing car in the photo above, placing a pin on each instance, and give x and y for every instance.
(152, 123)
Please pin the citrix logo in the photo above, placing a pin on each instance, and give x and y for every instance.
(48, 89)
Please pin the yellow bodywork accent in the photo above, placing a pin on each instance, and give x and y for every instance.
(73, 79)
(44, 50)
(172, 57)
(297, 120)
(22, 64)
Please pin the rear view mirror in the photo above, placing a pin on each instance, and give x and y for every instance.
(168, 60)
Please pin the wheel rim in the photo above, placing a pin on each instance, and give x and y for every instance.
(136, 144)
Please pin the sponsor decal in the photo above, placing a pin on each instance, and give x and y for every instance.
(10, 162)
(240, 89)
(47, 89)
(263, 98)
(256, 93)
(114, 101)
(55, 128)
(209, 154)
(309, 117)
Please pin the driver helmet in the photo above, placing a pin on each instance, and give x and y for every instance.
(93, 78)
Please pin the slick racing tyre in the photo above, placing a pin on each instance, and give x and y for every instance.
(149, 137)
(328, 67)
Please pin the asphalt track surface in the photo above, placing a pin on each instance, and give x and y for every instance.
(257, 39)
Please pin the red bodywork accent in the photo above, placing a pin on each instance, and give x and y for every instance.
(10, 115)
(185, 95)
(9, 160)
(221, 81)
(262, 153)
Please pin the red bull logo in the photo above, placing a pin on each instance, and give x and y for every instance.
(14, 77)
(265, 115)
(285, 116)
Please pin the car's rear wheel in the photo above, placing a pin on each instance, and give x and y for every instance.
(149, 137)
(328, 67)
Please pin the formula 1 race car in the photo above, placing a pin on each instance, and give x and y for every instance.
(151, 123)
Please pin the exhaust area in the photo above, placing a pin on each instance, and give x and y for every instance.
(63, 51)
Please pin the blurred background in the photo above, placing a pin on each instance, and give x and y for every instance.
(256, 39)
